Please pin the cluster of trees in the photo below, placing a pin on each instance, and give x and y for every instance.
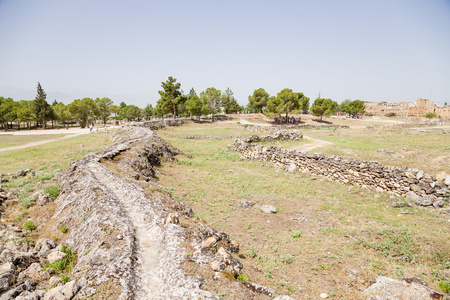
(39, 111)
(172, 102)
(211, 101)
(287, 101)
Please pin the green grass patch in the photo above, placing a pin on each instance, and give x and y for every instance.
(52, 191)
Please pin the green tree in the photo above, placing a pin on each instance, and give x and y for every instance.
(83, 109)
(229, 104)
(322, 107)
(114, 109)
(212, 97)
(62, 112)
(196, 107)
(303, 102)
(103, 108)
(344, 105)
(356, 107)
(8, 111)
(131, 112)
(191, 94)
(41, 108)
(288, 101)
(24, 113)
(147, 112)
(259, 99)
(171, 94)
(122, 105)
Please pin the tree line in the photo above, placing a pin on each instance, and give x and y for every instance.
(173, 102)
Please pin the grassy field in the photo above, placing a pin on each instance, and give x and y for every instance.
(428, 150)
(44, 161)
(7, 141)
(324, 238)
(323, 231)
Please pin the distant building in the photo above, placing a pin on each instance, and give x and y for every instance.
(407, 109)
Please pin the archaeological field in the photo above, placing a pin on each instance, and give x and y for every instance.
(238, 208)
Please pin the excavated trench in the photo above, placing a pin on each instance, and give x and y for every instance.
(125, 227)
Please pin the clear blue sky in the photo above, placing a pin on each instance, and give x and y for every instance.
(386, 50)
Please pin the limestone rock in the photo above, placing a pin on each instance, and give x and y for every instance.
(292, 168)
(398, 204)
(63, 292)
(230, 260)
(43, 199)
(55, 256)
(35, 272)
(54, 280)
(246, 203)
(425, 201)
(44, 245)
(388, 288)
(268, 209)
(283, 298)
(447, 180)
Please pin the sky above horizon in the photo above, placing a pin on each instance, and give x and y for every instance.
(383, 50)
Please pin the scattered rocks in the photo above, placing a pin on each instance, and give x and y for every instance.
(247, 203)
(398, 204)
(268, 209)
(324, 296)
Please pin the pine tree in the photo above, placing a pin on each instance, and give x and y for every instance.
(41, 108)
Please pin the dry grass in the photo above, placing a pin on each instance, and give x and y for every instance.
(321, 229)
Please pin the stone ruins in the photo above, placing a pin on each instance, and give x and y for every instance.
(414, 184)
(408, 109)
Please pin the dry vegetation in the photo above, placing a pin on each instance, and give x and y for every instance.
(325, 237)
(322, 231)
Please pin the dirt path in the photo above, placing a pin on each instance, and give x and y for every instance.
(316, 143)
(41, 142)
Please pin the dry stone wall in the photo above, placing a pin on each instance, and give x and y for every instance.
(272, 129)
(403, 181)
(158, 124)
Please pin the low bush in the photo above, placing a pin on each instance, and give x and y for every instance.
(63, 228)
(29, 226)
(52, 191)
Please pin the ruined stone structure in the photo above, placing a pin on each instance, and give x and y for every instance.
(408, 109)
(402, 181)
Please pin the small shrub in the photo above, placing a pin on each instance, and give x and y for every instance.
(430, 115)
(445, 287)
(29, 226)
(63, 228)
(296, 234)
(66, 264)
(52, 191)
(242, 277)
(83, 124)
(65, 279)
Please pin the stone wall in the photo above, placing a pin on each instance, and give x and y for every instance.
(158, 124)
(272, 129)
(401, 181)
